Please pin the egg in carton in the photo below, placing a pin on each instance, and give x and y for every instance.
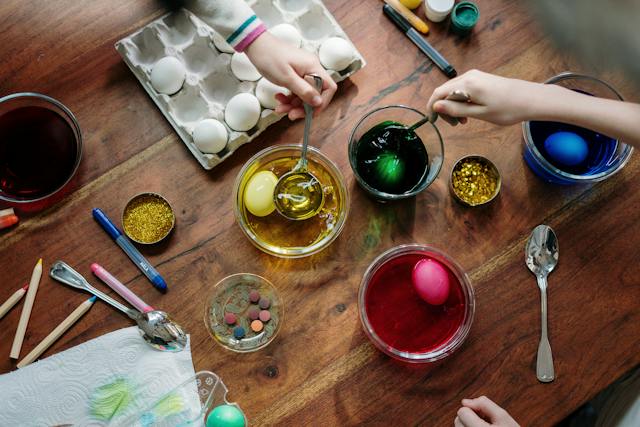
(214, 98)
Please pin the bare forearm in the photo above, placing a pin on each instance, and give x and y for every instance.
(616, 119)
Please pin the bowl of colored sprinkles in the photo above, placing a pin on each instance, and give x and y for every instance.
(148, 218)
(565, 154)
(244, 313)
(475, 181)
(265, 227)
(416, 304)
(389, 162)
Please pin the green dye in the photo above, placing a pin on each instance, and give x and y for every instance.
(467, 17)
(111, 399)
(391, 159)
(171, 405)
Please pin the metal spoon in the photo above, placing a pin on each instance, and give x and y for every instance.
(157, 329)
(298, 194)
(457, 96)
(542, 257)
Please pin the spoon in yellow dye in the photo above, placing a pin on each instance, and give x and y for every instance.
(298, 194)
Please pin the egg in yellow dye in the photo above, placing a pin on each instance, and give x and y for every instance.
(258, 194)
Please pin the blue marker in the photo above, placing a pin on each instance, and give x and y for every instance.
(130, 250)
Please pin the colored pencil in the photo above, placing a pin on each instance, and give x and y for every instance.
(413, 19)
(26, 310)
(13, 300)
(57, 332)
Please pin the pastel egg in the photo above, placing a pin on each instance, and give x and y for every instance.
(266, 93)
(226, 416)
(336, 53)
(258, 194)
(242, 112)
(167, 75)
(287, 33)
(242, 67)
(210, 136)
(431, 281)
(566, 148)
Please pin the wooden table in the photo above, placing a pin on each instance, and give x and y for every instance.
(321, 369)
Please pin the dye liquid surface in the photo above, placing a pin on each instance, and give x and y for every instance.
(391, 159)
(38, 151)
(401, 318)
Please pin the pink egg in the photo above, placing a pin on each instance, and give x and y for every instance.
(431, 281)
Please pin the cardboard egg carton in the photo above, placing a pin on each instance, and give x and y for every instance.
(209, 82)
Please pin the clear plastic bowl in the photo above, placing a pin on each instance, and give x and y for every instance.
(428, 133)
(458, 337)
(253, 232)
(543, 168)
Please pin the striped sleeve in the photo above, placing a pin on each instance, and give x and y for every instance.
(233, 19)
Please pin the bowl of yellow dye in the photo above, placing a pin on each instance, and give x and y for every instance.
(270, 231)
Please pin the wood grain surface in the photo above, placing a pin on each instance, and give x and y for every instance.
(321, 369)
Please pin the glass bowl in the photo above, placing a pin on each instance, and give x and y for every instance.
(231, 295)
(39, 180)
(449, 323)
(428, 133)
(547, 171)
(277, 235)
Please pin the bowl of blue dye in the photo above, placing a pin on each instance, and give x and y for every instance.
(565, 154)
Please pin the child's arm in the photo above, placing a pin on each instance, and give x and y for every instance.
(506, 101)
(281, 63)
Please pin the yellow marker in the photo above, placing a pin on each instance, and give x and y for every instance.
(413, 19)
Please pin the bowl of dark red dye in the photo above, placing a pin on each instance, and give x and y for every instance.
(605, 156)
(40, 147)
(399, 322)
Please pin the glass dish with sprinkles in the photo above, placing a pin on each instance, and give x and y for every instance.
(244, 312)
(148, 218)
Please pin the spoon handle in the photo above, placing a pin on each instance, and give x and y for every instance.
(544, 363)
(308, 117)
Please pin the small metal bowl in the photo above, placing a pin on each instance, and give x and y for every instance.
(129, 205)
(493, 169)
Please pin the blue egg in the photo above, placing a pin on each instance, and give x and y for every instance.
(566, 148)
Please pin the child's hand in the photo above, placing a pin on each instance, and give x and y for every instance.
(286, 66)
(494, 99)
(482, 412)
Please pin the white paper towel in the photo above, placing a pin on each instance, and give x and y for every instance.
(62, 388)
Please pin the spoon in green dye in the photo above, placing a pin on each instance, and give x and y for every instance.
(156, 328)
(298, 194)
(457, 96)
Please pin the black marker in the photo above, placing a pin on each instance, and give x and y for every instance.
(422, 44)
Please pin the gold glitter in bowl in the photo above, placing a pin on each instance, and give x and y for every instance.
(475, 181)
(148, 218)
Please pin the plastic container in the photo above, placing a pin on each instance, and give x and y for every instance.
(466, 290)
(188, 404)
(550, 173)
(464, 17)
(276, 235)
(428, 133)
(437, 10)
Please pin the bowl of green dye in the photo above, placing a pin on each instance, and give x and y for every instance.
(390, 163)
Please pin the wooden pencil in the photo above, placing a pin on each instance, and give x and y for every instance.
(26, 310)
(57, 332)
(13, 300)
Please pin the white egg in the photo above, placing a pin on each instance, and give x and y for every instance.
(266, 93)
(242, 68)
(287, 33)
(167, 75)
(210, 136)
(336, 53)
(242, 112)
(221, 44)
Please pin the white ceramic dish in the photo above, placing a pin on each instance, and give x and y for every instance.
(209, 82)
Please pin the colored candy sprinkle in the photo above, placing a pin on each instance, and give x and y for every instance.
(254, 313)
(254, 296)
(256, 326)
(230, 318)
(264, 315)
(238, 332)
(264, 303)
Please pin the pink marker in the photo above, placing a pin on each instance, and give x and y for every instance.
(121, 289)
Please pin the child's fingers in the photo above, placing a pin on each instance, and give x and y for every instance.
(296, 113)
(470, 418)
(485, 406)
(458, 109)
(303, 89)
